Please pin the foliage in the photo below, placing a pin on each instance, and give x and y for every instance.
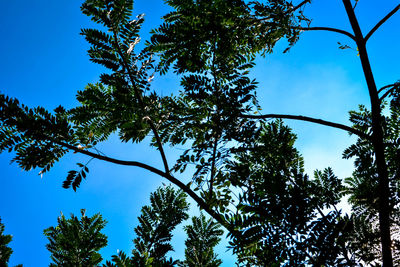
(230, 29)
(203, 235)
(283, 216)
(76, 242)
(167, 209)
(41, 138)
(363, 188)
(5, 250)
(280, 216)
(122, 260)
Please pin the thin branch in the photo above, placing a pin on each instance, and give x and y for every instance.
(309, 119)
(329, 29)
(141, 102)
(300, 5)
(355, 5)
(394, 86)
(387, 86)
(376, 27)
(213, 163)
(109, 159)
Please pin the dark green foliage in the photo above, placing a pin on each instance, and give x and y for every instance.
(247, 174)
(122, 260)
(203, 235)
(283, 216)
(217, 26)
(5, 250)
(30, 133)
(362, 187)
(74, 178)
(167, 209)
(216, 89)
(238, 29)
(76, 242)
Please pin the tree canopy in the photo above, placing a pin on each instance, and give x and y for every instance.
(76, 242)
(244, 172)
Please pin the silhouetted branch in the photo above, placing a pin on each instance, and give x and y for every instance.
(309, 119)
(300, 5)
(329, 29)
(376, 27)
(203, 205)
(394, 86)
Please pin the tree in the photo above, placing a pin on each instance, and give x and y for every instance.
(277, 19)
(5, 250)
(283, 216)
(203, 235)
(212, 45)
(167, 209)
(76, 242)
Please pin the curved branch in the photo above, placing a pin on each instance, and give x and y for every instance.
(387, 86)
(309, 119)
(203, 205)
(329, 29)
(376, 27)
(388, 92)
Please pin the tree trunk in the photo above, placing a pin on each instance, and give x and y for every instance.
(377, 140)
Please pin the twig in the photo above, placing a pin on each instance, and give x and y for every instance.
(309, 119)
(300, 5)
(329, 29)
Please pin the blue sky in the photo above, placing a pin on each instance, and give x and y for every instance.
(43, 61)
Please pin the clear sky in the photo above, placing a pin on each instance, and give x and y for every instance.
(43, 61)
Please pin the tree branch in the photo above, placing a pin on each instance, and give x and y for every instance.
(387, 86)
(300, 5)
(309, 119)
(394, 86)
(329, 29)
(203, 205)
(140, 99)
(376, 27)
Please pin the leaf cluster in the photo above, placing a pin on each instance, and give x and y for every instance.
(5, 250)
(31, 133)
(167, 209)
(283, 216)
(76, 242)
(362, 187)
(203, 235)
